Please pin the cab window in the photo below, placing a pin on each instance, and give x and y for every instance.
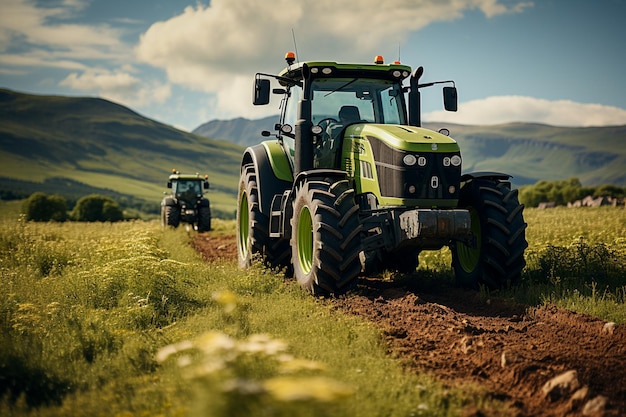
(377, 101)
(290, 116)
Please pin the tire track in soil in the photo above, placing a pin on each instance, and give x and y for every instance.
(510, 350)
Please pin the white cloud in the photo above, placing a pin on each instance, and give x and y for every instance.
(119, 86)
(210, 47)
(101, 80)
(43, 33)
(505, 109)
(40, 59)
(46, 35)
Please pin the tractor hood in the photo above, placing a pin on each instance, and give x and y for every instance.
(404, 138)
(403, 165)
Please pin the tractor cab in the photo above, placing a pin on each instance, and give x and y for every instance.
(321, 100)
(189, 190)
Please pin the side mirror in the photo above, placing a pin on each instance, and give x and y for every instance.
(169, 184)
(450, 100)
(261, 91)
(206, 185)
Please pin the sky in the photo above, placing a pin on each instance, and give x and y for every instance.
(184, 63)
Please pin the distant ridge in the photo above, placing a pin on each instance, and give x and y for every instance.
(528, 151)
(241, 131)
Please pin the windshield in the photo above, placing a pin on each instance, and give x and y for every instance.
(190, 187)
(377, 101)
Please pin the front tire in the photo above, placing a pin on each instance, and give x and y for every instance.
(170, 216)
(204, 218)
(325, 240)
(496, 258)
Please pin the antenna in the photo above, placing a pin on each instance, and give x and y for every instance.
(399, 52)
(295, 45)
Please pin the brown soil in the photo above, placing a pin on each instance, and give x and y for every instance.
(508, 349)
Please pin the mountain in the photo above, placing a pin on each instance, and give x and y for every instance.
(530, 152)
(48, 141)
(241, 131)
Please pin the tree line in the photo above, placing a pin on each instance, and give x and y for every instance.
(72, 191)
(42, 207)
(566, 191)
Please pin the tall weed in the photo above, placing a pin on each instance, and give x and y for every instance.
(77, 303)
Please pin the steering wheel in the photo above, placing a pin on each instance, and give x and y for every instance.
(327, 121)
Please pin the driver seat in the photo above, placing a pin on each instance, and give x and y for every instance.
(349, 114)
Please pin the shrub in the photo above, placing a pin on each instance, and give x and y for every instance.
(97, 208)
(581, 264)
(40, 207)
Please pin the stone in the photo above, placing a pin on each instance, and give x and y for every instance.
(580, 396)
(609, 328)
(595, 406)
(561, 385)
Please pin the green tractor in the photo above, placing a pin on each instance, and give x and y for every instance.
(186, 202)
(351, 183)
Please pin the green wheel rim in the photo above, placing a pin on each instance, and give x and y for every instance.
(470, 256)
(305, 240)
(244, 225)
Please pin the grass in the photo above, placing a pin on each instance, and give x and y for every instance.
(125, 319)
(576, 259)
(127, 315)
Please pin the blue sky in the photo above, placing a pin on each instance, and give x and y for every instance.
(180, 62)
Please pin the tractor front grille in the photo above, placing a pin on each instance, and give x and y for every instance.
(433, 175)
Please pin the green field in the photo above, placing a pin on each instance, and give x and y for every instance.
(125, 319)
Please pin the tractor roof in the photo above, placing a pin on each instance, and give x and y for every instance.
(321, 69)
(187, 177)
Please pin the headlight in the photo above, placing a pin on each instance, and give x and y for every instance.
(455, 160)
(409, 160)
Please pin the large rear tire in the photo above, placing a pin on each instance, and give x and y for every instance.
(325, 240)
(170, 216)
(496, 258)
(253, 238)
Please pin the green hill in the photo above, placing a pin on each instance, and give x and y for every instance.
(533, 152)
(76, 146)
(529, 152)
(73, 145)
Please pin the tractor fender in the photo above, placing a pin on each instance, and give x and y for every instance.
(169, 201)
(497, 177)
(331, 174)
(272, 169)
(486, 175)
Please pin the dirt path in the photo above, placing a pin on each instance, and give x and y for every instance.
(510, 350)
